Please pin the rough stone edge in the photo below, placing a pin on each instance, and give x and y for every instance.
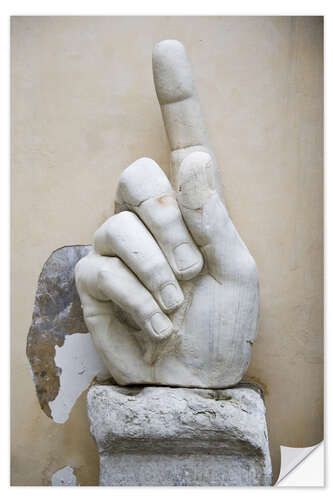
(265, 449)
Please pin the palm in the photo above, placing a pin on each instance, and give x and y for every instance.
(217, 352)
(214, 327)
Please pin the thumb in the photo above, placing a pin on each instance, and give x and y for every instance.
(207, 218)
(197, 197)
(195, 180)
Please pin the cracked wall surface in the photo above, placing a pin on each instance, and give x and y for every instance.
(83, 109)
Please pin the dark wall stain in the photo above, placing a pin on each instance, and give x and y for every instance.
(256, 380)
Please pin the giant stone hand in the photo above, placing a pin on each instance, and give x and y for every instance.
(170, 292)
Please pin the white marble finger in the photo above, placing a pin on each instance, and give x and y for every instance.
(180, 106)
(109, 279)
(126, 237)
(144, 188)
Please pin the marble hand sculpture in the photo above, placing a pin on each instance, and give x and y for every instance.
(170, 292)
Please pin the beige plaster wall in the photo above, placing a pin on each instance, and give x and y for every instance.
(84, 108)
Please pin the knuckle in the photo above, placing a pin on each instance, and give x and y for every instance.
(115, 227)
(102, 279)
(106, 267)
(102, 275)
(142, 180)
(119, 222)
(80, 267)
(82, 274)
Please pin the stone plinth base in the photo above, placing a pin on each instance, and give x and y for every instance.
(163, 436)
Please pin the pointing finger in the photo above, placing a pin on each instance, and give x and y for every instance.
(177, 95)
(180, 105)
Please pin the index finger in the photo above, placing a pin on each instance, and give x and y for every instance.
(179, 101)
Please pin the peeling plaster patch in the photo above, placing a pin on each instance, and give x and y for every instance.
(57, 313)
(64, 477)
(77, 363)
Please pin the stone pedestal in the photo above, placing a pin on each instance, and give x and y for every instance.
(163, 436)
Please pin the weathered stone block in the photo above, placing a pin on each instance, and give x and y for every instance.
(163, 436)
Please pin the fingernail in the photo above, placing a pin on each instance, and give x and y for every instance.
(186, 256)
(162, 326)
(171, 296)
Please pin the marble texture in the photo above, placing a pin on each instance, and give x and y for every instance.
(162, 436)
(170, 292)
